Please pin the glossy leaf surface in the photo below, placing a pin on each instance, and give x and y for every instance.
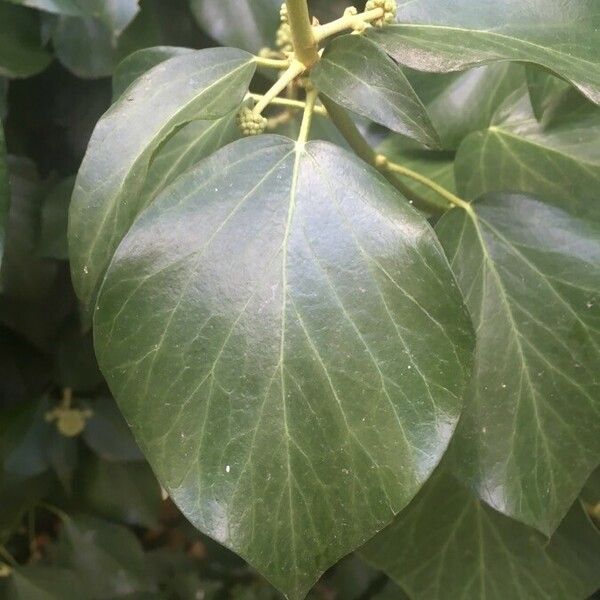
(291, 354)
(448, 544)
(560, 164)
(357, 74)
(460, 103)
(256, 21)
(529, 436)
(21, 50)
(452, 35)
(139, 62)
(205, 85)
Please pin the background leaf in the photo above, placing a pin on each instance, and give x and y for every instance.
(276, 310)
(45, 583)
(21, 49)
(528, 437)
(4, 192)
(451, 35)
(558, 162)
(246, 24)
(447, 544)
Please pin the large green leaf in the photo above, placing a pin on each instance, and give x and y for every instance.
(4, 192)
(247, 24)
(21, 50)
(299, 349)
(115, 15)
(529, 435)
(45, 583)
(560, 163)
(205, 85)
(451, 35)
(357, 74)
(447, 544)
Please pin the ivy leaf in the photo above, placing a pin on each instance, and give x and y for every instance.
(448, 544)
(114, 15)
(357, 74)
(205, 85)
(106, 556)
(560, 163)
(452, 35)
(545, 91)
(140, 62)
(460, 103)
(4, 192)
(528, 437)
(21, 50)
(247, 24)
(295, 345)
(45, 583)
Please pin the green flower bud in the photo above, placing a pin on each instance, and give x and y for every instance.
(389, 7)
(250, 123)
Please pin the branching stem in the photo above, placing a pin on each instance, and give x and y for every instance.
(306, 48)
(296, 68)
(319, 110)
(348, 21)
(359, 144)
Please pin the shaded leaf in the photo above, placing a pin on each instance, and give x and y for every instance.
(247, 24)
(45, 583)
(54, 216)
(303, 343)
(561, 163)
(528, 438)
(206, 85)
(107, 557)
(452, 35)
(114, 15)
(107, 434)
(357, 74)
(122, 491)
(75, 361)
(4, 192)
(448, 544)
(21, 50)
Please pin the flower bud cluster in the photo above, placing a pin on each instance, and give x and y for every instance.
(389, 10)
(249, 122)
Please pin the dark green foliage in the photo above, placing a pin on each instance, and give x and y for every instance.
(244, 368)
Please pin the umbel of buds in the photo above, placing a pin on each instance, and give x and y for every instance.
(389, 10)
(249, 122)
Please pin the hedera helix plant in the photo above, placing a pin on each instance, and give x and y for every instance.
(297, 349)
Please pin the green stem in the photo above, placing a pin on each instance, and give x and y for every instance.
(453, 199)
(346, 22)
(305, 45)
(288, 102)
(309, 109)
(296, 68)
(271, 63)
(363, 149)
